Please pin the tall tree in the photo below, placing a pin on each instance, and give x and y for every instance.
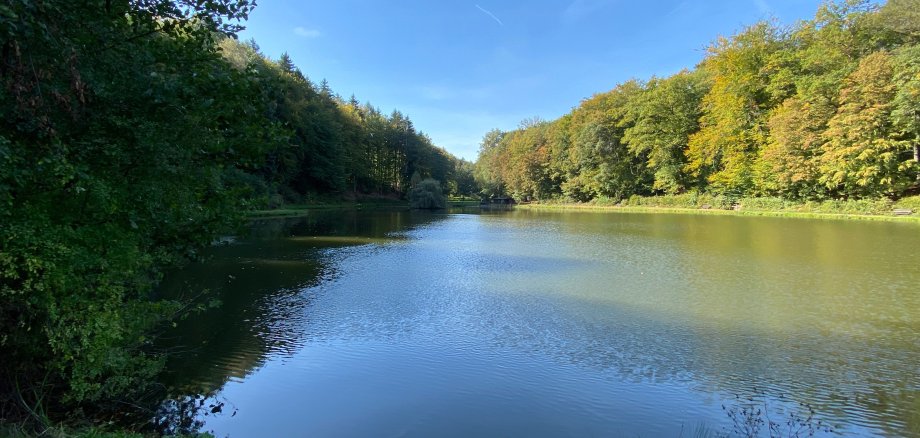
(601, 161)
(902, 17)
(733, 125)
(488, 165)
(788, 164)
(906, 104)
(861, 158)
(663, 117)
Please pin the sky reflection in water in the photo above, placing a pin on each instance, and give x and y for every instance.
(551, 324)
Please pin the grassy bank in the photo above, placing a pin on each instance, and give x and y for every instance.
(691, 203)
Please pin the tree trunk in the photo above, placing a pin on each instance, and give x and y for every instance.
(917, 156)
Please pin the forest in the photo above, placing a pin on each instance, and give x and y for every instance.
(133, 134)
(825, 109)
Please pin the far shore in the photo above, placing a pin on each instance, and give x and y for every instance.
(912, 218)
(805, 211)
(375, 204)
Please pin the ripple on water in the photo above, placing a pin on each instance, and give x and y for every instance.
(580, 325)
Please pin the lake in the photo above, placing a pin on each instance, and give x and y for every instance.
(525, 323)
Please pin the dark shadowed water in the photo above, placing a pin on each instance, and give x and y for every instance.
(380, 324)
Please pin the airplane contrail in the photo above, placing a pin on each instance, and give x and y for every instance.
(490, 14)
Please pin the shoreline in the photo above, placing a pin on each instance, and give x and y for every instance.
(300, 210)
(303, 209)
(913, 218)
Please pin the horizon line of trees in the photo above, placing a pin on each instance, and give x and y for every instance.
(334, 145)
(828, 108)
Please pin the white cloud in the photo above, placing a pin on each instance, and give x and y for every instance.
(763, 7)
(306, 33)
(497, 20)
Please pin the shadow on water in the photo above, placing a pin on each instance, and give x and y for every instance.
(257, 283)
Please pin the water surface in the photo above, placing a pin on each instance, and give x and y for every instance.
(349, 323)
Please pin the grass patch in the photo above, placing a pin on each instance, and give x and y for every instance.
(692, 203)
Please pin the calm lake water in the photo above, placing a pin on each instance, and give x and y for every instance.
(521, 323)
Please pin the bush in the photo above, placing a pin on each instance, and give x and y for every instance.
(427, 195)
(697, 200)
(765, 204)
(684, 200)
(911, 203)
(850, 206)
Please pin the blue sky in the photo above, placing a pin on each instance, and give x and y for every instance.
(459, 68)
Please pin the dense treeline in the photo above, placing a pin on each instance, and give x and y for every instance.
(133, 133)
(332, 145)
(826, 109)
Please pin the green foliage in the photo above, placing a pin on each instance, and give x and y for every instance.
(705, 201)
(663, 117)
(910, 203)
(733, 124)
(906, 102)
(787, 164)
(133, 134)
(826, 109)
(849, 206)
(324, 144)
(684, 200)
(464, 182)
(123, 129)
(598, 155)
(488, 167)
(901, 17)
(581, 156)
(427, 195)
(860, 156)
